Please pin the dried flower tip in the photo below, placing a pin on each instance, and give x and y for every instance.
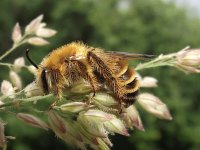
(32, 69)
(154, 105)
(32, 120)
(2, 135)
(132, 118)
(16, 34)
(32, 90)
(16, 80)
(80, 87)
(34, 25)
(7, 89)
(18, 64)
(149, 82)
(98, 115)
(45, 32)
(37, 41)
(116, 126)
(56, 123)
(73, 107)
(104, 99)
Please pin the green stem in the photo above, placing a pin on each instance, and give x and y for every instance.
(25, 100)
(22, 41)
(163, 60)
(12, 65)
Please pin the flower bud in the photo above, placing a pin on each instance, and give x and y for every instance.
(132, 118)
(107, 141)
(189, 60)
(149, 82)
(65, 129)
(188, 69)
(116, 126)
(92, 126)
(16, 80)
(18, 64)
(32, 120)
(32, 69)
(80, 87)
(73, 107)
(37, 41)
(87, 137)
(102, 145)
(56, 123)
(189, 57)
(45, 32)
(16, 34)
(7, 89)
(33, 90)
(34, 25)
(104, 99)
(98, 115)
(154, 105)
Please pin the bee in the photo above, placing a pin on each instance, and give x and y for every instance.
(74, 61)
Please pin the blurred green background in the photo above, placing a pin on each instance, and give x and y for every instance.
(142, 26)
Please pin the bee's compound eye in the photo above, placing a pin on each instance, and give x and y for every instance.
(44, 81)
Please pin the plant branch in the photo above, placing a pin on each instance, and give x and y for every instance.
(162, 60)
(15, 45)
(25, 100)
(11, 65)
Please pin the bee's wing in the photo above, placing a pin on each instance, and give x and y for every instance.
(126, 55)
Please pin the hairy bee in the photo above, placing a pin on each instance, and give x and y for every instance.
(75, 61)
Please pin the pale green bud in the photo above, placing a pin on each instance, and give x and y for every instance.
(104, 99)
(154, 105)
(98, 115)
(92, 126)
(116, 126)
(73, 107)
(34, 25)
(80, 87)
(33, 90)
(132, 118)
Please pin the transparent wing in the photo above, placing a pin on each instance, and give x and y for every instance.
(126, 55)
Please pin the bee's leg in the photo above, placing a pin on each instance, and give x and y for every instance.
(94, 84)
(53, 104)
(120, 107)
(93, 89)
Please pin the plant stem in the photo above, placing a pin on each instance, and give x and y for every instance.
(25, 100)
(15, 45)
(162, 60)
(12, 65)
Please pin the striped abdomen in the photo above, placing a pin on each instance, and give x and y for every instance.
(117, 75)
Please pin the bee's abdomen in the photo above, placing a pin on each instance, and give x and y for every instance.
(128, 87)
(118, 76)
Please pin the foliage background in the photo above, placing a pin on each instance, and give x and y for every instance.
(151, 27)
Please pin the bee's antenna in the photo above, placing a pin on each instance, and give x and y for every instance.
(29, 59)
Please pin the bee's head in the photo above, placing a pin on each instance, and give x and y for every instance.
(41, 76)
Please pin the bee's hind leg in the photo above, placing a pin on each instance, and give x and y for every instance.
(53, 104)
(91, 96)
